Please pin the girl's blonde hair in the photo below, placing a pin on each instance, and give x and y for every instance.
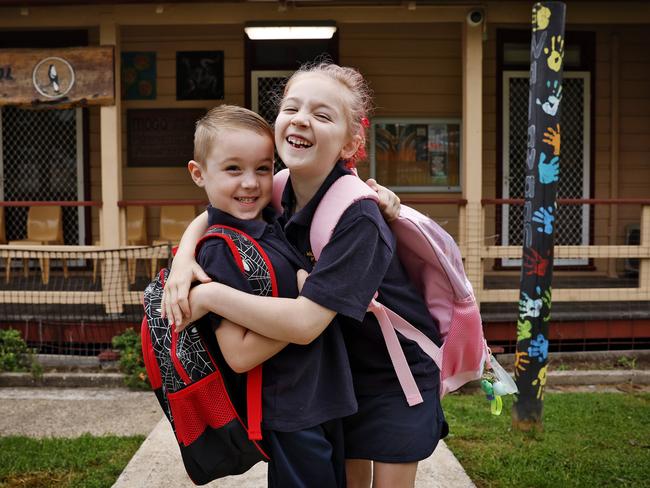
(359, 97)
(225, 117)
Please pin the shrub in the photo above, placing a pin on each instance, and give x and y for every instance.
(131, 362)
(15, 355)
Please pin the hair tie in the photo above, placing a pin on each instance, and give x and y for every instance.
(365, 122)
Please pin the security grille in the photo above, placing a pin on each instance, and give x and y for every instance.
(42, 160)
(266, 93)
(572, 220)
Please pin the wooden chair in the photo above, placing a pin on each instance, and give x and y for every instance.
(44, 226)
(136, 234)
(174, 219)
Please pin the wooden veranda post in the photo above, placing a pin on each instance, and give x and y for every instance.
(540, 211)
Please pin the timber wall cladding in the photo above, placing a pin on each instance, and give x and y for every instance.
(414, 70)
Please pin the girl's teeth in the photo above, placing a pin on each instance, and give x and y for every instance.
(298, 142)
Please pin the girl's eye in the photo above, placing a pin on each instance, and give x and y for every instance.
(323, 116)
(289, 110)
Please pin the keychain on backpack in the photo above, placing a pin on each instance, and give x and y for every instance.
(496, 383)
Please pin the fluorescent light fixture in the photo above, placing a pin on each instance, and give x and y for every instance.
(258, 31)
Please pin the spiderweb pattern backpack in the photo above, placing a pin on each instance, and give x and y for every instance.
(434, 264)
(215, 413)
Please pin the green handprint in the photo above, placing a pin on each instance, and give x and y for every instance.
(546, 298)
(556, 55)
(523, 329)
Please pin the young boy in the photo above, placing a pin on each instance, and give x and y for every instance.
(306, 389)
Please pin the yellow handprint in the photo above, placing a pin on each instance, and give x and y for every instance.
(541, 17)
(540, 382)
(556, 55)
(520, 362)
(552, 138)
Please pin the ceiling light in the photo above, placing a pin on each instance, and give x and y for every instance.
(292, 30)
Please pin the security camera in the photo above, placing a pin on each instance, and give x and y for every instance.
(475, 17)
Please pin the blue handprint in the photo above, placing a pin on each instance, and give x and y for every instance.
(548, 172)
(551, 105)
(538, 348)
(544, 216)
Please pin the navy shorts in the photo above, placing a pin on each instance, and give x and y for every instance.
(386, 429)
(308, 458)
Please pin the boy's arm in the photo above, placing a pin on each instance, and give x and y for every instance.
(297, 320)
(244, 349)
(183, 272)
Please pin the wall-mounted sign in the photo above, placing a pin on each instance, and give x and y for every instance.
(199, 75)
(161, 137)
(138, 75)
(57, 76)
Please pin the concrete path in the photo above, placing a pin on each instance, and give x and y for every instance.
(157, 464)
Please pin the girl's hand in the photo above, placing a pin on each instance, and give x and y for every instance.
(301, 277)
(198, 300)
(389, 203)
(183, 272)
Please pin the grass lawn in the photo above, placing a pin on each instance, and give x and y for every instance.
(85, 461)
(589, 439)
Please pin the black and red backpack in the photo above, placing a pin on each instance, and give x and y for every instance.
(215, 413)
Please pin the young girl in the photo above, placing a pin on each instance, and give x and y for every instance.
(320, 126)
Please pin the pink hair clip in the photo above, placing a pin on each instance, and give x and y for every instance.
(365, 122)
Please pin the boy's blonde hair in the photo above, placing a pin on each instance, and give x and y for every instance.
(225, 117)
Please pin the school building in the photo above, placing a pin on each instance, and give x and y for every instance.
(98, 101)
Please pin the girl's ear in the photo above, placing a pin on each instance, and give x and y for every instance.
(196, 172)
(351, 147)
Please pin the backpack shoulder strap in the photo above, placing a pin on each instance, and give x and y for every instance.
(279, 182)
(343, 193)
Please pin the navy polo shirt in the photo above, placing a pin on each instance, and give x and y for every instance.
(360, 260)
(303, 386)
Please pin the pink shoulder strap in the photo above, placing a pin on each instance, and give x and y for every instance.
(279, 182)
(343, 193)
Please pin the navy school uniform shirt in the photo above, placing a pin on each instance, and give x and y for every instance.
(303, 386)
(360, 260)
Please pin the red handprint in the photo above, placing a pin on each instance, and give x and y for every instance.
(535, 264)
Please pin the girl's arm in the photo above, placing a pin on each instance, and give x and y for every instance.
(183, 272)
(244, 349)
(297, 320)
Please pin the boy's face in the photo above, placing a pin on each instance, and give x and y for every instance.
(238, 173)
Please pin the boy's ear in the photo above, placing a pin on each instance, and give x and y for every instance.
(351, 147)
(196, 172)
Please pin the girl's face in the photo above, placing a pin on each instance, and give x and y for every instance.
(312, 131)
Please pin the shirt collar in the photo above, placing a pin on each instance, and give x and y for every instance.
(306, 214)
(254, 228)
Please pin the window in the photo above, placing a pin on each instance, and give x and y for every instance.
(416, 154)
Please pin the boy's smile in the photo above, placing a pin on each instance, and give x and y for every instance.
(238, 173)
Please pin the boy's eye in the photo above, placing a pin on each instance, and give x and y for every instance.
(264, 169)
(232, 168)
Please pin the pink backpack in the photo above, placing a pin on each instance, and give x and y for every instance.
(434, 264)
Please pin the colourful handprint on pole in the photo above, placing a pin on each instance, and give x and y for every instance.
(546, 298)
(529, 307)
(534, 263)
(544, 216)
(555, 54)
(521, 362)
(523, 329)
(541, 17)
(540, 382)
(552, 138)
(548, 172)
(538, 348)
(552, 103)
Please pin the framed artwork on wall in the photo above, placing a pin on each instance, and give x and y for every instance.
(416, 155)
(199, 75)
(139, 75)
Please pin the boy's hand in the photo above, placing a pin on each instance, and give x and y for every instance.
(183, 272)
(301, 276)
(389, 203)
(198, 298)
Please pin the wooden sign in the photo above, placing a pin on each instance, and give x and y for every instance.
(161, 137)
(79, 75)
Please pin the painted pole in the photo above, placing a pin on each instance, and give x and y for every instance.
(542, 174)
